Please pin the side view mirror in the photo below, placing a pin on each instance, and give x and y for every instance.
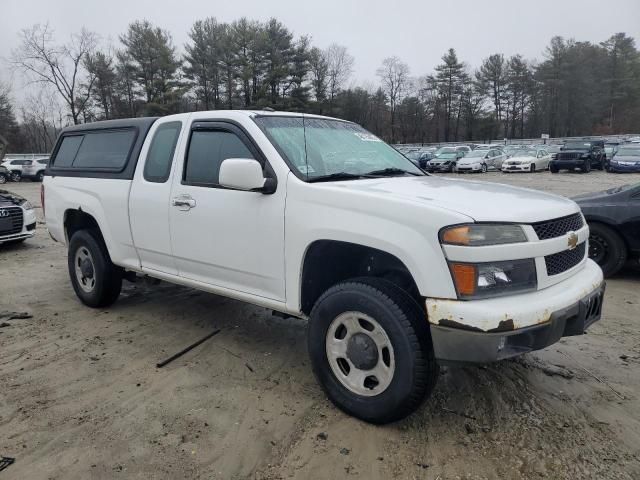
(245, 174)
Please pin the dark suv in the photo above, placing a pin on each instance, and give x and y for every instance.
(583, 154)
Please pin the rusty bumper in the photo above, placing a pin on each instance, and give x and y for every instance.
(463, 346)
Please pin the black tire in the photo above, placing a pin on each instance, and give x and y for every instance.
(533, 168)
(415, 373)
(484, 168)
(606, 248)
(3, 178)
(553, 169)
(16, 176)
(107, 276)
(586, 167)
(40, 176)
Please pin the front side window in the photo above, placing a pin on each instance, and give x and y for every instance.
(160, 156)
(207, 150)
(318, 147)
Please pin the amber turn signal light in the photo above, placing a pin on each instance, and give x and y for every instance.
(464, 276)
(456, 236)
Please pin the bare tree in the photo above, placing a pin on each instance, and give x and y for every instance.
(62, 66)
(394, 76)
(339, 65)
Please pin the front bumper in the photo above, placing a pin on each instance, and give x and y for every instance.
(617, 168)
(484, 331)
(524, 167)
(469, 168)
(439, 168)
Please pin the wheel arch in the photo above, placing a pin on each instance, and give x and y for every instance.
(327, 262)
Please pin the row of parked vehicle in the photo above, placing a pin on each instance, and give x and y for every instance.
(584, 155)
(14, 170)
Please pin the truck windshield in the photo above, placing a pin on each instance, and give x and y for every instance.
(577, 146)
(326, 148)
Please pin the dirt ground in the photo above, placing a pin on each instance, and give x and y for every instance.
(81, 397)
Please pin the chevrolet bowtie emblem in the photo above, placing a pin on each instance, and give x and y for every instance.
(572, 241)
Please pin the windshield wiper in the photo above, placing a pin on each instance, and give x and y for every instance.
(337, 176)
(391, 171)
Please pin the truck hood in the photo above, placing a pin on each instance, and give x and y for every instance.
(482, 201)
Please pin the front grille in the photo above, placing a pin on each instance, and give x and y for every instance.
(563, 261)
(558, 226)
(568, 156)
(12, 224)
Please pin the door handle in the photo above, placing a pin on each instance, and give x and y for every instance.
(184, 202)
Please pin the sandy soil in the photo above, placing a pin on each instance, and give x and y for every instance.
(80, 396)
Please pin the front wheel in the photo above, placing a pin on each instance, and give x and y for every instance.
(16, 176)
(40, 176)
(95, 279)
(371, 350)
(553, 169)
(3, 178)
(606, 248)
(533, 168)
(484, 168)
(586, 167)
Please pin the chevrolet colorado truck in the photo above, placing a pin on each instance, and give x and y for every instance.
(396, 271)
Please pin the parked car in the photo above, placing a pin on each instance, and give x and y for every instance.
(445, 161)
(531, 160)
(34, 169)
(626, 159)
(317, 218)
(614, 223)
(15, 168)
(17, 218)
(481, 161)
(553, 150)
(5, 175)
(584, 154)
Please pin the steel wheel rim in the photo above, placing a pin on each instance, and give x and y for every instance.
(341, 337)
(86, 281)
(3, 179)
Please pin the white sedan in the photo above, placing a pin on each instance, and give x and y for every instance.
(530, 160)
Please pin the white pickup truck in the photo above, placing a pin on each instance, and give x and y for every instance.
(396, 271)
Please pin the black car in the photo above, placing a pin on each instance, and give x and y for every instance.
(583, 154)
(614, 222)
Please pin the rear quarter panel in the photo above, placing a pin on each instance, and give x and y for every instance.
(106, 200)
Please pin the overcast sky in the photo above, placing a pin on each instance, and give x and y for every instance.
(418, 31)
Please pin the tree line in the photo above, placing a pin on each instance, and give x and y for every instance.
(578, 88)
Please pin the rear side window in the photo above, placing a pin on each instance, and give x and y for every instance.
(107, 149)
(67, 151)
(207, 150)
(163, 146)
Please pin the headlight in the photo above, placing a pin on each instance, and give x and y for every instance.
(479, 234)
(26, 205)
(493, 279)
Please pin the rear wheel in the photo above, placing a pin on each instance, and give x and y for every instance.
(607, 249)
(40, 176)
(16, 176)
(3, 178)
(371, 350)
(95, 279)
